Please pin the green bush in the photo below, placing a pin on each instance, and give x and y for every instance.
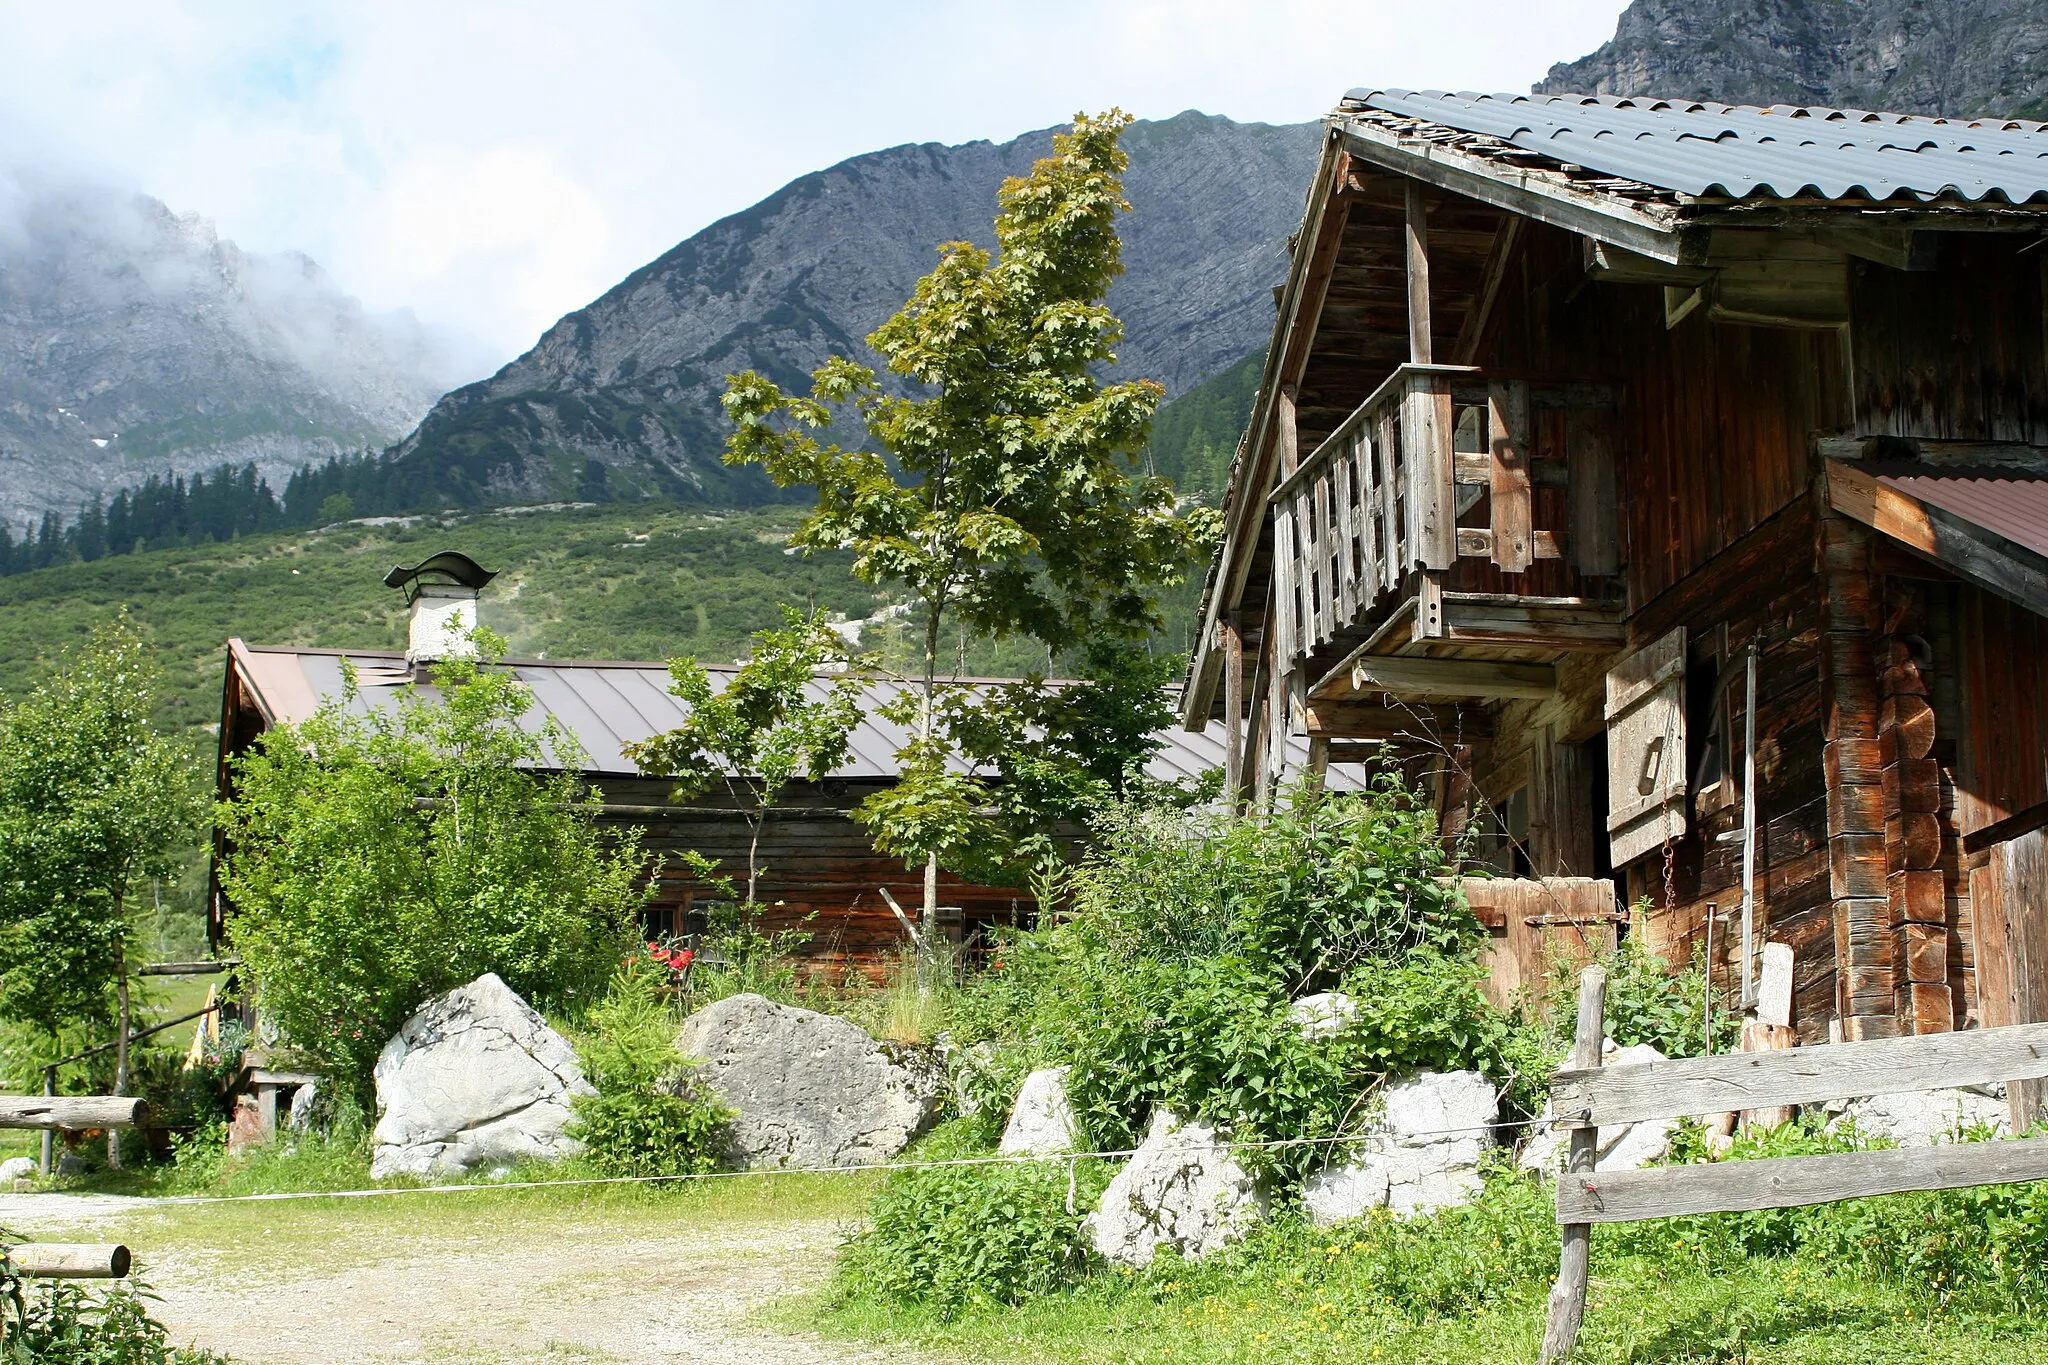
(648, 1117)
(953, 1237)
(63, 1324)
(1648, 1003)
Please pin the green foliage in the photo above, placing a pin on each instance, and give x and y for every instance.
(764, 728)
(92, 798)
(58, 1323)
(958, 1237)
(379, 855)
(649, 1116)
(1002, 491)
(1195, 435)
(1648, 1003)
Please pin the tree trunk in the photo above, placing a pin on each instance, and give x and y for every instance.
(930, 915)
(120, 1040)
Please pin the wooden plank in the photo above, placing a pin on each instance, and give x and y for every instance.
(1287, 633)
(1427, 460)
(1501, 255)
(1507, 426)
(1387, 487)
(72, 1111)
(1713, 1085)
(1451, 677)
(1345, 536)
(1566, 624)
(1595, 511)
(1794, 1181)
(1376, 720)
(1774, 987)
(1415, 241)
(1477, 542)
(1231, 629)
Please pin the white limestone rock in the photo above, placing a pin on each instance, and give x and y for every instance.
(1422, 1152)
(1629, 1147)
(476, 1077)
(1042, 1122)
(1324, 1015)
(18, 1168)
(1182, 1188)
(809, 1089)
(1922, 1118)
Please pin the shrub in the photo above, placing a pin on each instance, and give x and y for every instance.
(648, 1117)
(377, 860)
(63, 1324)
(958, 1236)
(1648, 1003)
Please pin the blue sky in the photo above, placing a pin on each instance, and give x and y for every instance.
(492, 166)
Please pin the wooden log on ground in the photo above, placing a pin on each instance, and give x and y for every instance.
(70, 1260)
(1752, 1080)
(1793, 1181)
(72, 1111)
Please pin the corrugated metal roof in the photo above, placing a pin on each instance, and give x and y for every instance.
(1741, 151)
(2016, 508)
(607, 706)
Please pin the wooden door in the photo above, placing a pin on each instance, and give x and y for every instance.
(1646, 776)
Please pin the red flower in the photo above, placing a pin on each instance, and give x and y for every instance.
(684, 958)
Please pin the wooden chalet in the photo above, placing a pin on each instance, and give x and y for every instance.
(1614, 457)
(822, 876)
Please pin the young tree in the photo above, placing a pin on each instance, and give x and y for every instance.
(1003, 491)
(378, 856)
(766, 728)
(92, 799)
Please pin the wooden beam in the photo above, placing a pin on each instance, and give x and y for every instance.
(1979, 554)
(70, 1260)
(1568, 1295)
(1472, 332)
(1567, 624)
(1545, 197)
(1447, 677)
(1376, 720)
(1894, 248)
(1231, 629)
(1793, 1181)
(1415, 238)
(72, 1111)
(1806, 1075)
(1507, 425)
(1289, 430)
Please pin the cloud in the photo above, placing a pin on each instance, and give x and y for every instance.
(493, 165)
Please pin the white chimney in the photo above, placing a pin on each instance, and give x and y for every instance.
(441, 593)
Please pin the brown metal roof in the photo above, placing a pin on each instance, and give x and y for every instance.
(608, 705)
(2016, 508)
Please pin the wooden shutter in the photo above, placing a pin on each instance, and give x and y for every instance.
(1646, 774)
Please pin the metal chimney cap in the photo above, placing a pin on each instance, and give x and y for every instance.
(451, 566)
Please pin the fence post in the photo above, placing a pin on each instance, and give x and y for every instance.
(1568, 1296)
(49, 1135)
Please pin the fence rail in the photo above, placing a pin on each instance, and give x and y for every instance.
(1590, 1095)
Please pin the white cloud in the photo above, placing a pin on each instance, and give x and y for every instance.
(492, 165)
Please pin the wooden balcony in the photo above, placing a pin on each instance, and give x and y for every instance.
(1460, 523)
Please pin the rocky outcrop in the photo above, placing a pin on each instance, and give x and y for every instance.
(1921, 1118)
(809, 1089)
(1042, 1122)
(1324, 1015)
(1629, 1147)
(1960, 57)
(476, 1077)
(633, 380)
(1183, 1189)
(18, 1168)
(135, 341)
(1421, 1153)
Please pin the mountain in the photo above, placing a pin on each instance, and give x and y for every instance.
(1964, 58)
(620, 398)
(135, 341)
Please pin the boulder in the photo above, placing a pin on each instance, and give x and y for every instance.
(1324, 1015)
(475, 1078)
(809, 1089)
(1182, 1188)
(305, 1108)
(1421, 1153)
(1042, 1122)
(1629, 1147)
(18, 1168)
(1921, 1118)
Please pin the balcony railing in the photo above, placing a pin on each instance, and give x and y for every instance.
(1380, 500)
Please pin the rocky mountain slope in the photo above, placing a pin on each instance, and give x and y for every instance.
(632, 381)
(1954, 57)
(134, 341)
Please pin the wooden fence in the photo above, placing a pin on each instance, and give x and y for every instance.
(1590, 1096)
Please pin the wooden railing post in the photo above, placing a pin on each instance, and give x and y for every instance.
(49, 1152)
(1568, 1295)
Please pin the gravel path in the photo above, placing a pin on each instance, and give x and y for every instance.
(596, 1294)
